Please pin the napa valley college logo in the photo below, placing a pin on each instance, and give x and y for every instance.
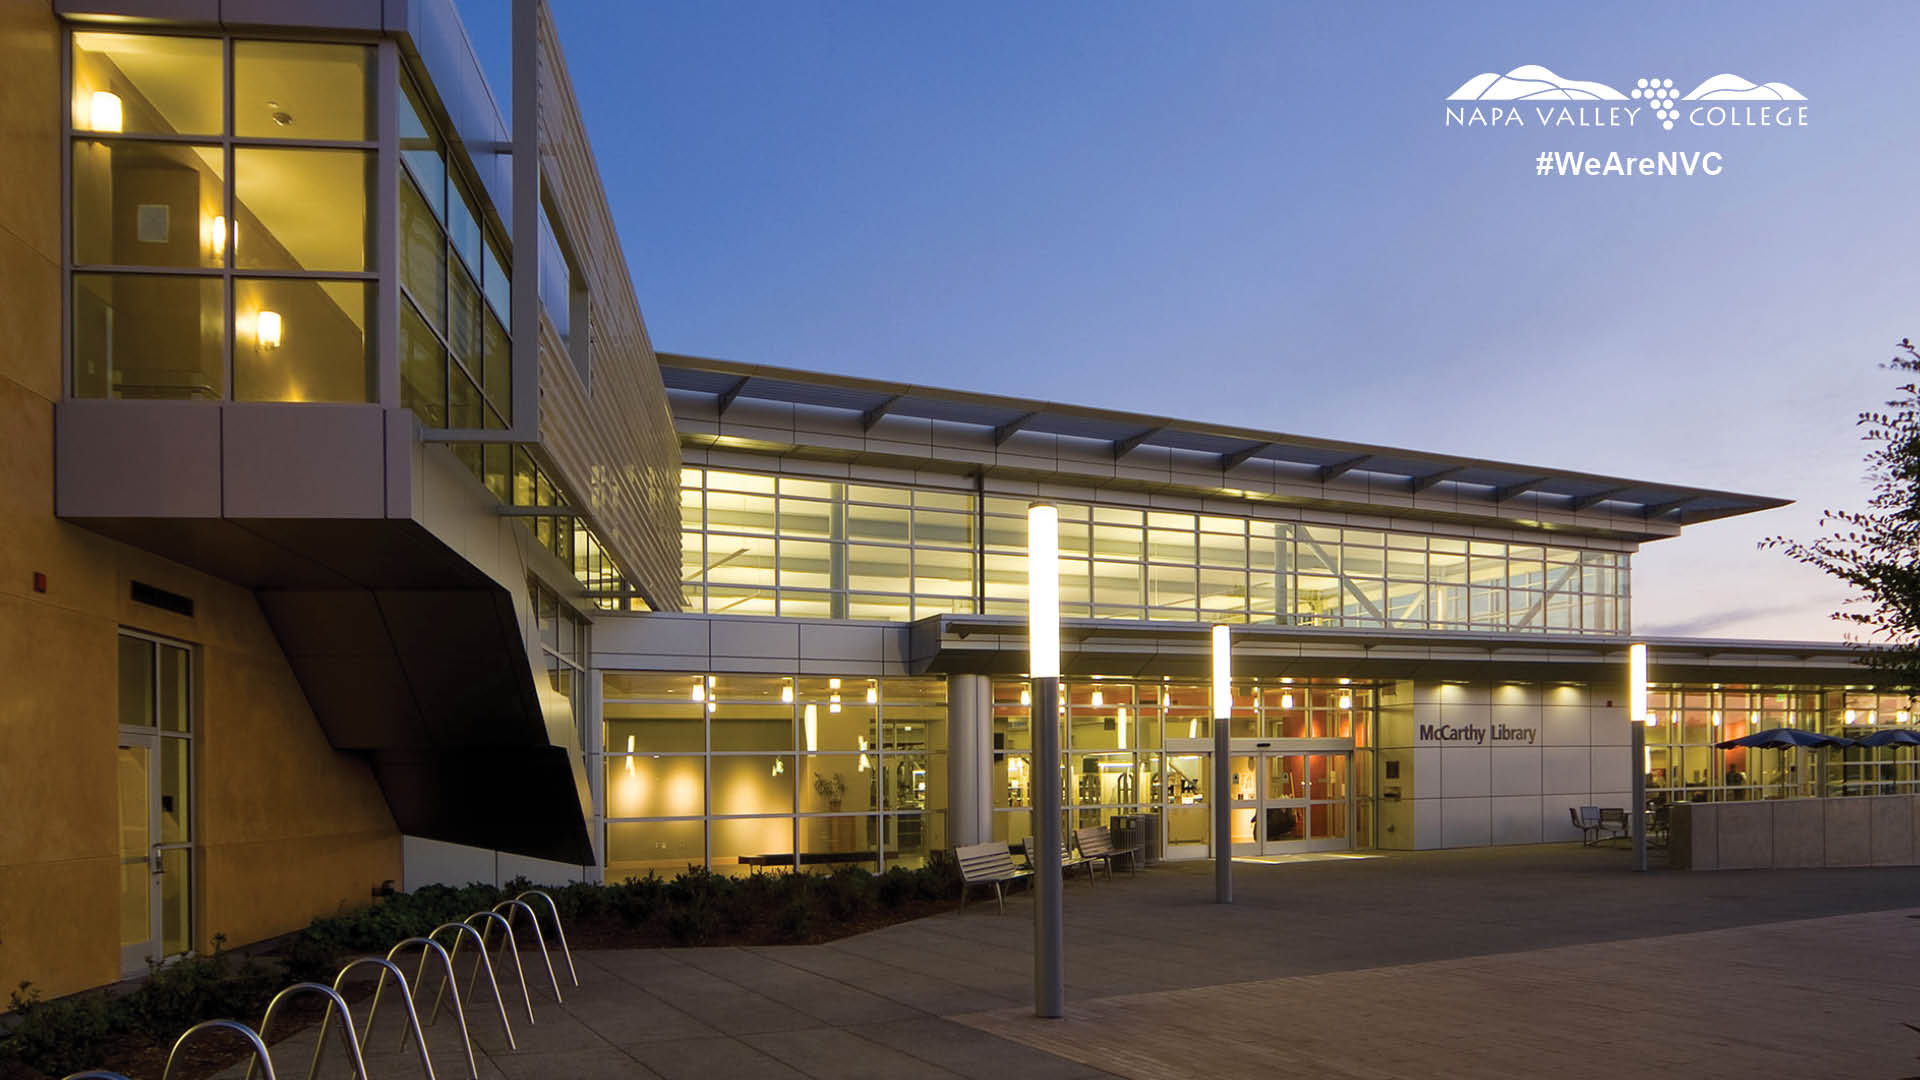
(1534, 98)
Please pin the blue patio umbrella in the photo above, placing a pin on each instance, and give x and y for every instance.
(1785, 738)
(1890, 737)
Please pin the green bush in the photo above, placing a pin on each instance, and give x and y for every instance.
(697, 907)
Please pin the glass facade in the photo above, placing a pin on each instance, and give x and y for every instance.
(1142, 747)
(1683, 765)
(764, 544)
(221, 249)
(747, 772)
(563, 645)
(456, 364)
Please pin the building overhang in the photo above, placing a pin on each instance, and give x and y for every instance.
(758, 406)
(997, 645)
(380, 565)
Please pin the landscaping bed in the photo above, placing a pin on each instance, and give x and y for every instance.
(130, 1029)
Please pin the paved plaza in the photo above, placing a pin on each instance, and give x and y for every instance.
(1541, 961)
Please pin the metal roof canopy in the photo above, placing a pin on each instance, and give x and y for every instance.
(872, 400)
(997, 644)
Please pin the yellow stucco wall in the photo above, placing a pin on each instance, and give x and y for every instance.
(288, 827)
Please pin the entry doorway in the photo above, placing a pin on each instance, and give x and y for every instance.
(1291, 800)
(154, 785)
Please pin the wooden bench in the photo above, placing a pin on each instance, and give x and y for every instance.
(1068, 860)
(987, 864)
(1096, 845)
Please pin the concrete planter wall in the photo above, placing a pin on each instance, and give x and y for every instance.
(1789, 833)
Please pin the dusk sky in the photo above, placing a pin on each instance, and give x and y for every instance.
(1254, 214)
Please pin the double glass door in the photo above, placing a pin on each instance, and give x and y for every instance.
(153, 782)
(1291, 801)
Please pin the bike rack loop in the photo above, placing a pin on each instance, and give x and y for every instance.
(429, 946)
(245, 1032)
(406, 998)
(512, 947)
(461, 932)
(558, 929)
(94, 1074)
(538, 936)
(339, 1005)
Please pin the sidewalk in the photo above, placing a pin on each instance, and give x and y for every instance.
(1544, 961)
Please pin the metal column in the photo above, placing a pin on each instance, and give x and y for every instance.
(1049, 920)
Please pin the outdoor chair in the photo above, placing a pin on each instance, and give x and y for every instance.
(987, 864)
(1096, 845)
(1613, 823)
(1587, 820)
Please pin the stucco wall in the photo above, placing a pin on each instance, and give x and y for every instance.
(289, 828)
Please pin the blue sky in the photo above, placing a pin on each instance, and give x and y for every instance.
(1252, 213)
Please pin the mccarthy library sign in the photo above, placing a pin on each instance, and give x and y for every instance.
(1471, 735)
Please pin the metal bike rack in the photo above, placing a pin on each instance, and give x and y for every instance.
(538, 936)
(489, 918)
(428, 946)
(559, 930)
(406, 998)
(245, 1032)
(339, 1004)
(461, 932)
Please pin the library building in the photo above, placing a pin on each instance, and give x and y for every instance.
(358, 534)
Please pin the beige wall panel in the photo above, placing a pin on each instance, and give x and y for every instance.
(30, 122)
(57, 924)
(30, 310)
(57, 725)
(258, 890)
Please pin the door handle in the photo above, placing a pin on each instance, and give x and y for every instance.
(155, 862)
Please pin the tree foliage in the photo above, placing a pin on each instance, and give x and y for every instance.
(1876, 551)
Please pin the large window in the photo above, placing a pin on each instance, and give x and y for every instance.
(563, 645)
(221, 247)
(754, 544)
(456, 364)
(742, 772)
(1142, 747)
(762, 544)
(1682, 763)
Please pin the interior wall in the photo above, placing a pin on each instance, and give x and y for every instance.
(288, 827)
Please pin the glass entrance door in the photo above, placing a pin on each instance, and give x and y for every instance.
(152, 784)
(1305, 802)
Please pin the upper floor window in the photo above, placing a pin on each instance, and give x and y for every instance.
(221, 246)
(456, 362)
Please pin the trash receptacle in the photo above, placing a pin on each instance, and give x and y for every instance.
(1138, 833)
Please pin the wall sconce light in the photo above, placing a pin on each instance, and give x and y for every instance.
(1346, 701)
(833, 703)
(786, 694)
(1286, 701)
(1716, 718)
(1097, 700)
(1026, 697)
(103, 113)
(267, 330)
(629, 755)
(873, 695)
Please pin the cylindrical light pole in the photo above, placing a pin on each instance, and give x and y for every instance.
(1637, 720)
(1222, 798)
(1043, 667)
